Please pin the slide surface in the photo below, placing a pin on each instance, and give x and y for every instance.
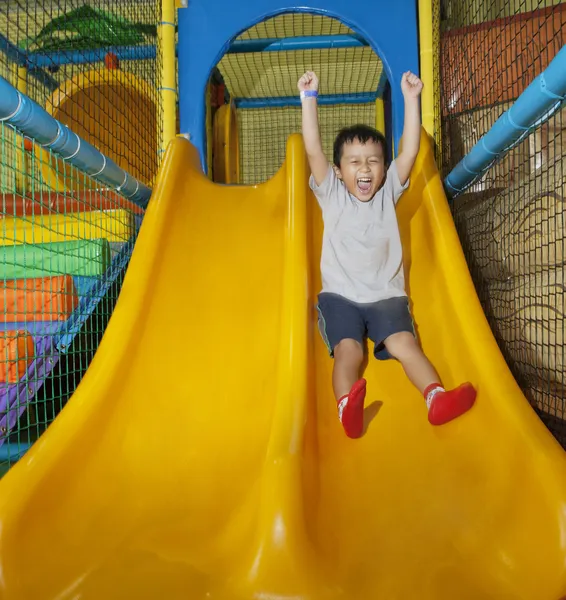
(201, 456)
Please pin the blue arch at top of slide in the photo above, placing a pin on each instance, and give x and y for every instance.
(207, 27)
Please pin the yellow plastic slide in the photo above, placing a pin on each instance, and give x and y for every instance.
(201, 457)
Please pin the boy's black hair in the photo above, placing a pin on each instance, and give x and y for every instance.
(362, 133)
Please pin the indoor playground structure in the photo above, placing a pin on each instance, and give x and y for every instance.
(167, 422)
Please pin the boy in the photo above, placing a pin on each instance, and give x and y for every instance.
(362, 263)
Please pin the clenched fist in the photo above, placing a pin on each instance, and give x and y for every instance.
(308, 82)
(411, 85)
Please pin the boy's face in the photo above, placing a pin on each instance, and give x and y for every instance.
(362, 169)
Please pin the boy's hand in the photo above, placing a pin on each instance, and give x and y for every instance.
(411, 85)
(309, 81)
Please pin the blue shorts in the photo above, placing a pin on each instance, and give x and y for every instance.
(339, 319)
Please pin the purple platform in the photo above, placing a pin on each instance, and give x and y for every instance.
(14, 397)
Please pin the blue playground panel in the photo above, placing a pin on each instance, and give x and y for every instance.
(207, 30)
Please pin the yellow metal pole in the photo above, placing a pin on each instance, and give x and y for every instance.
(427, 70)
(20, 79)
(168, 88)
(379, 116)
(209, 136)
(437, 78)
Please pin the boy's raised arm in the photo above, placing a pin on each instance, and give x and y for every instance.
(411, 86)
(308, 86)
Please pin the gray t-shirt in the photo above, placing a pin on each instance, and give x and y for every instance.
(362, 257)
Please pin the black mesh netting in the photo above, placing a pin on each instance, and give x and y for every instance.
(512, 222)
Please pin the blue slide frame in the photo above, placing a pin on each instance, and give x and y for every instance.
(207, 30)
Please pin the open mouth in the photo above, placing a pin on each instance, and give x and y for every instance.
(364, 184)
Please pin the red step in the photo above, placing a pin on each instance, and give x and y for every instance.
(46, 202)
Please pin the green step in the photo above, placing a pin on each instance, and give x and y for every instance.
(89, 258)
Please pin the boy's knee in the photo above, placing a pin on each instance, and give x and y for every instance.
(348, 349)
(402, 345)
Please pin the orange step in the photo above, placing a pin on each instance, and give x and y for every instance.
(41, 299)
(17, 351)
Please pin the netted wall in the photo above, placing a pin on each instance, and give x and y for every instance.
(65, 241)
(512, 222)
(268, 75)
(116, 109)
(263, 132)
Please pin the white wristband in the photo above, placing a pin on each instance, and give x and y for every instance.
(308, 94)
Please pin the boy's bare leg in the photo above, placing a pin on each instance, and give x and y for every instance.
(404, 347)
(349, 389)
(348, 358)
(443, 406)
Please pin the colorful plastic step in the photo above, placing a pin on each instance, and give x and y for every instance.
(87, 258)
(112, 225)
(43, 299)
(47, 202)
(16, 354)
(14, 397)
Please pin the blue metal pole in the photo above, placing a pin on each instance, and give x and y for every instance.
(314, 42)
(532, 108)
(29, 119)
(310, 42)
(78, 57)
(282, 101)
(12, 51)
(20, 57)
